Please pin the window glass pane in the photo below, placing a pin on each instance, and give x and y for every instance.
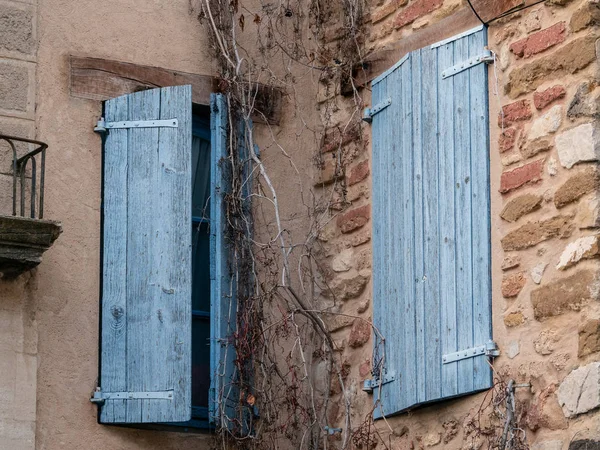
(200, 177)
(200, 267)
(200, 361)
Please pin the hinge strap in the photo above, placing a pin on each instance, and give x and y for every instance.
(490, 349)
(369, 385)
(486, 56)
(101, 397)
(102, 125)
(370, 112)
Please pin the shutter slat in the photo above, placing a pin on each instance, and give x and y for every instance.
(462, 217)
(114, 263)
(431, 237)
(419, 212)
(157, 314)
(429, 112)
(480, 182)
(406, 257)
(223, 395)
(447, 221)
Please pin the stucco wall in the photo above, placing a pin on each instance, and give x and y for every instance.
(544, 320)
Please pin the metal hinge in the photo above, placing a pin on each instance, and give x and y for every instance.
(490, 349)
(100, 397)
(370, 385)
(102, 125)
(370, 112)
(485, 57)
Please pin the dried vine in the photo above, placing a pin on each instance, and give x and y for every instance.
(286, 360)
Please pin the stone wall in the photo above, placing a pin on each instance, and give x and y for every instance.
(545, 180)
(18, 330)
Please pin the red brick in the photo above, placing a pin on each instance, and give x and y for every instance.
(540, 41)
(337, 137)
(387, 9)
(515, 112)
(544, 98)
(358, 173)
(507, 139)
(360, 333)
(529, 173)
(354, 219)
(417, 8)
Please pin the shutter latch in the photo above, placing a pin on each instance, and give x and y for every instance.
(100, 397)
(486, 57)
(490, 349)
(370, 112)
(102, 125)
(370, 385)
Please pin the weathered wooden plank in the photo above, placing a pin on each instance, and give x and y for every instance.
(419, 237)
(447, 221)
(114, 321)
(172, 261)
(480, 199)
(431, 244)
(142, 202)
(102, 79)
(382, 59)
(462, 216)
(406, 260)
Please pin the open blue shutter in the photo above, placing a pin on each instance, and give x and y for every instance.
(224, 395)
(431, 224)
(145, 366)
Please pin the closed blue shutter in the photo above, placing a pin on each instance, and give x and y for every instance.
(224, 394)
(145, 365)
(431, 224)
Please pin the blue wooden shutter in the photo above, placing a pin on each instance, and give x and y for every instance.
(224, 395)
(431, 223)
(145, 366)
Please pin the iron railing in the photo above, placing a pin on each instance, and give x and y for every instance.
(19, 168)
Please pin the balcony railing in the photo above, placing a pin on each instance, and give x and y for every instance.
(36, 159)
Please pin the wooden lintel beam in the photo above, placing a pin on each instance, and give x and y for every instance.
(102, 79)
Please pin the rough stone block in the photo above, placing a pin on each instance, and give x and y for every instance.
(532, 233)
(350, 284)
(532, 148)
(578, 144)
(583, 248)
(565, 294)
(585, 444)
(580, 390)
(544, 98)
(570, 58)
(328, 173)
(17, 29)
(577, 186)
(514, 112)
(513, 284)
(519, 206)
(589, 338)
(586, 102)
(587, 15)
(354, 219)
(514, 319)
(538, 272)
(14, 86)
(526, 174)
(510, 262)
(415, 10)
(546, 124)
(540, 41)
(588, 213)
(342, 262)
